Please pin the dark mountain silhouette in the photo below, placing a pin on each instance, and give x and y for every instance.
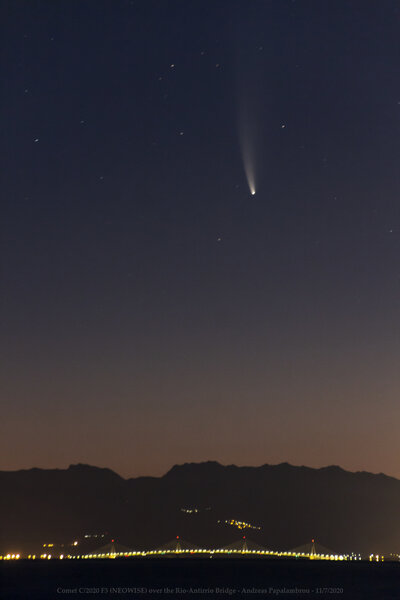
(341, 510)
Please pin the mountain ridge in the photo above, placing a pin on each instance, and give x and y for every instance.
(284, 506)
(180, 466)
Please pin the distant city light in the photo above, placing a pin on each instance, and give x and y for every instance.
(240, 524)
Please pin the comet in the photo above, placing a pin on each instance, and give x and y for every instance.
(249, 106)
(248, 130)
(247, 150)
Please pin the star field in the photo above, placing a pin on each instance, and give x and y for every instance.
(155, 310)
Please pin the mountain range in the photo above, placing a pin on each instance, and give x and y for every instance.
(277, 506)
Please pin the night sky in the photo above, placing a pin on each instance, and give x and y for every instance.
(153, 311)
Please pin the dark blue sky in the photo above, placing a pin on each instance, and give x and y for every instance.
(152, 310)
